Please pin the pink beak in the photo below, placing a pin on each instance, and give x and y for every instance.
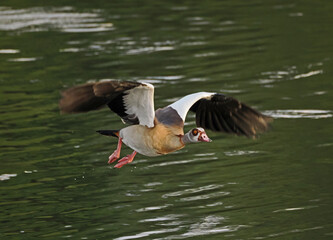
(204, 138)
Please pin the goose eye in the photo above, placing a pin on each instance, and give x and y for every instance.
(195, 132)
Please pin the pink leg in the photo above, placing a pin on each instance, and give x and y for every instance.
(125, 160)
(116, 154)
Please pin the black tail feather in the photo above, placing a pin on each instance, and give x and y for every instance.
(113, 133)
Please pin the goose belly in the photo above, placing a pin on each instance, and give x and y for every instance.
(137, 138)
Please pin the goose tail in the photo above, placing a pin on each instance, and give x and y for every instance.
(113, 133)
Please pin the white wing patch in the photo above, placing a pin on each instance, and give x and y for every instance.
(183, 105)
(139, 101)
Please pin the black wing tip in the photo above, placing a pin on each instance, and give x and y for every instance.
(222, 113)
(251, 122)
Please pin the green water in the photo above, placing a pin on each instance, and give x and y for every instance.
(275, 55)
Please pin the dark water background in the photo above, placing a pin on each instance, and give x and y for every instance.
(274, 55)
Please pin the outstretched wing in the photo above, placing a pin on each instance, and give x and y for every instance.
(221, 113)
(132, 101)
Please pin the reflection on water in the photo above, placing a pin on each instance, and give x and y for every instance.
(291, 73)
(240, 152)
(181, 162)
(54, 179)
(31, 59)
(148, 50)
(306, 113)
(9, 51)
(192, 190)
(42, 19)
(6, 176)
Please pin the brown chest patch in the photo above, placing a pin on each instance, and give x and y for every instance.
(165, 139)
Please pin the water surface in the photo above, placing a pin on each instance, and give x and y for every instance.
(276, 56)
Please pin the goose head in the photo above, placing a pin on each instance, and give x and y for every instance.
(196, 135)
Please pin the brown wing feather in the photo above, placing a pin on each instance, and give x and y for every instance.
(80, 99)
(91, 96)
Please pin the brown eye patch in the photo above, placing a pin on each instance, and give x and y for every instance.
(195, 132)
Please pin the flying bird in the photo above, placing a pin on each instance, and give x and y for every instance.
(153, 133)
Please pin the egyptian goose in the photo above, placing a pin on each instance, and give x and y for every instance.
(153, 133)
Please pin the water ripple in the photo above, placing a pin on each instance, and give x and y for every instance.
(31, 59)
(308, 74)
(149, 50)
(7, 176)
(300, 113)
(239, 153)
(279, 234)
(153, 208)
(205, 196)
(70, 50)
(148, 233)
(294, 209)
(9, 51)
(193, 190)
(44, 19)
(180, 162)
(289, 73)
(169, 217)
(206, 226)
